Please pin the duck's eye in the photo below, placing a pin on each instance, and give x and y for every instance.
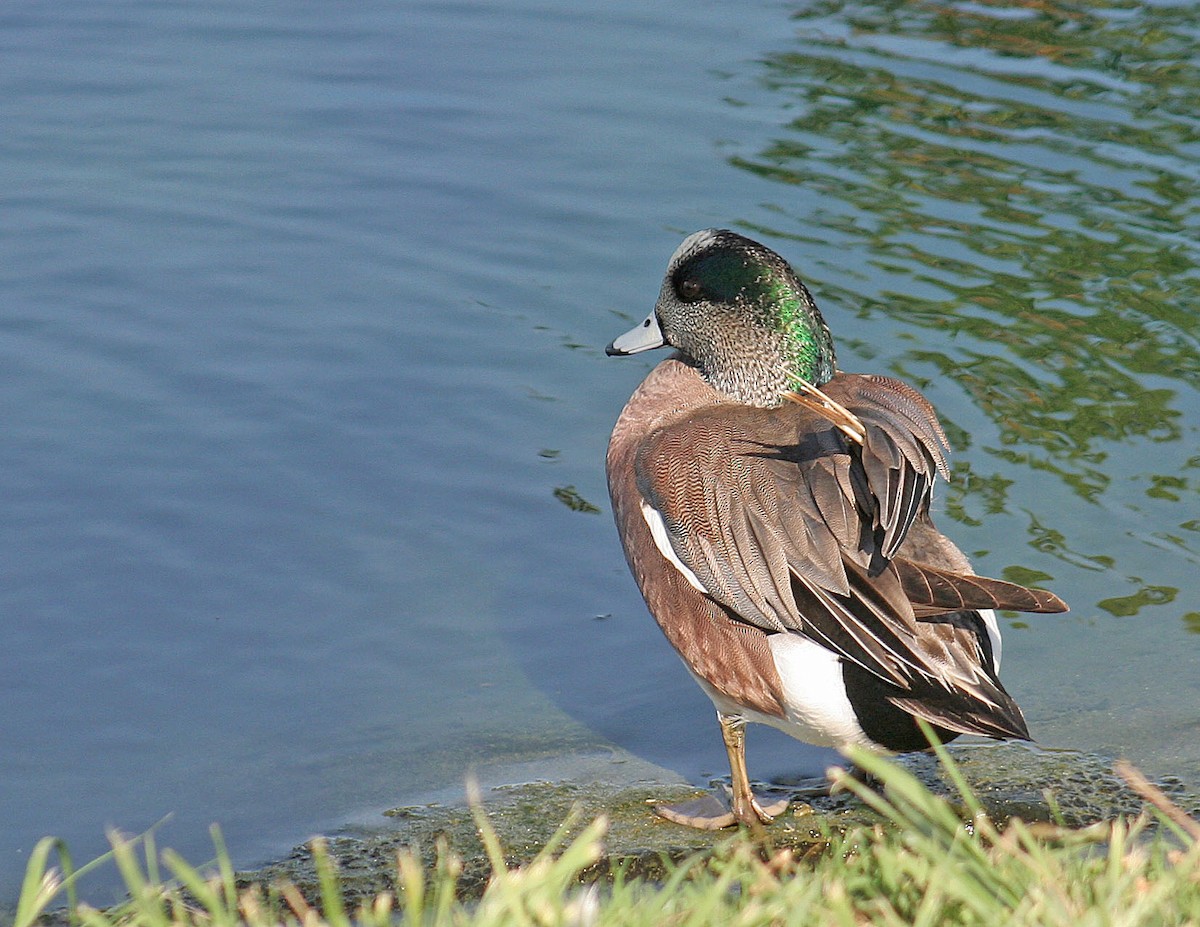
(689, 290)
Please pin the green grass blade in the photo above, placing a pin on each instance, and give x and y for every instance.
(331, 890)
(42, 882)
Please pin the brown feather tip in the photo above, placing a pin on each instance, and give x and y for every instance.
(933, 591)
(811, 397)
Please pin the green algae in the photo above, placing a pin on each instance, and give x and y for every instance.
(1010, 781)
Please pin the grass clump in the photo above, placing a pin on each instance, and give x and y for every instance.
(929, 861)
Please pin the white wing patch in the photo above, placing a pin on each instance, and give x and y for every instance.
(658, 529)
(993, 633)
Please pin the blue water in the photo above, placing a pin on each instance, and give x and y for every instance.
(302, 355)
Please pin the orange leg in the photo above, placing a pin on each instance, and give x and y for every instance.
(744, 805)
(709, 812)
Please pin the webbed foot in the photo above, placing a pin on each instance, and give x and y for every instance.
(713, 812)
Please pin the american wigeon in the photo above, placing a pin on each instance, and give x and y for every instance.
(775, 514)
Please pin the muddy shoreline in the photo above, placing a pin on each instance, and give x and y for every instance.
(1011, 780)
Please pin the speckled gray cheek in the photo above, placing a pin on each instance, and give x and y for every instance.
(675, 320)
(745, 360)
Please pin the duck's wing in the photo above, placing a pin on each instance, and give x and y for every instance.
(793, 525)
(933, 591)
(979, 706)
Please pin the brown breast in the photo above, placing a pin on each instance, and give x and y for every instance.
(730, 655)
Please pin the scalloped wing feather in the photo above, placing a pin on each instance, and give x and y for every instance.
(794, 526)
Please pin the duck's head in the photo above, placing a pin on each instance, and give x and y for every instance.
(739, 311)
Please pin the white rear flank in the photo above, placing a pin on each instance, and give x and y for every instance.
(814, 695)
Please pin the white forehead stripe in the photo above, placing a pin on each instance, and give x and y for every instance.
(693, 242)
